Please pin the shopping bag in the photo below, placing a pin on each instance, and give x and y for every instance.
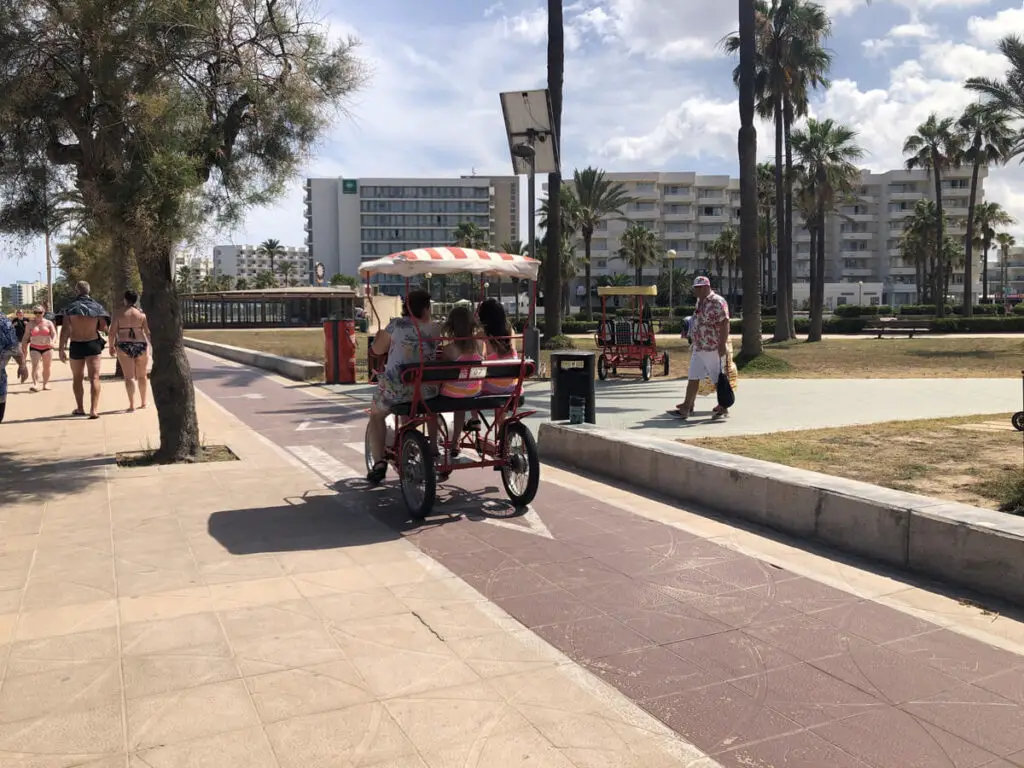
(726, 397)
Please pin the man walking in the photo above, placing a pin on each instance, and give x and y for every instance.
(84, 318)
(10, 347)
(709, 331)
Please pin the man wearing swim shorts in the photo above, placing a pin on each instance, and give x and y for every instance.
(84, 318)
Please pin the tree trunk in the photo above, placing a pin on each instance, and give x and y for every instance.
(556, 74)
(784, 282)
(984, 269)
(121, 282)
(171, 379)
(586, 275)
(969, 243)
(787, 114)
(746, 141)
(814, 330)
(940, 298)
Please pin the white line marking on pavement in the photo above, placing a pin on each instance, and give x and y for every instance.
(251, 396)
(533, 522)
(360, 447)
(321, 462)
(317, 424)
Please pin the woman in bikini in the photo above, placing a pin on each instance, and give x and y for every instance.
(129, 336)
(40, 336)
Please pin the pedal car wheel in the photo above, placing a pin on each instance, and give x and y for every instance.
(646, 368)
(1018, 421)
(602, 368)
(521, 473)
(666, 363)
(389, 439)
(367, 453)
(418, 474)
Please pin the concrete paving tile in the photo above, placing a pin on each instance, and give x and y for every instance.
(514, 581)
(462, 620)
(885, 674)
(379, 552)
(803, 637)
(13, 578)
(307, 691)
(151, 675)
(551, 607)
(67, 620)
(340, 608)
(805, 595)
(670, 623)
(255, 622)
(239, 569)
(505, 653)
(733, 654)
(975, 715)
(1008, 684)
(39, 694)
(873, 621)
(70, 732)
(573, 574)
(198, 633)
(436, 720)
(585, 640)
(41, 594)
(243, 594)
(282, 651)
(166, 605)
(10, 600)
(550, 688)
(442, 591)
(135, 583)
(55, 653)
(398, 572)
(649, 673)
(797, 750)
(624, 594)
(362, 735)
(957, 655)
(247, 748)
(181, 716)
(309, 561)
(515, 749)
(889, 736)
(354, 578)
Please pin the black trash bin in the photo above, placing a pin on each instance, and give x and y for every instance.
(572, 384)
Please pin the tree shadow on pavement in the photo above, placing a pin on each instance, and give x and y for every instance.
(27, 480)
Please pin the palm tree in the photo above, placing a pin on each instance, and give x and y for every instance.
(519, 248)
(639, 247)
(286, 269)
(917, 247)
(789, 62)
(1005, 95)
(729, 248)
(765, 233)
(470, 235)
(568, 226)
(185, 279)
(241, 284)
(556, 76)
(989, 216)
(933, 146)
(596, 199)
(1006, 241)
(264, 280)
(271, 249)
(828, 153)
(987, 139)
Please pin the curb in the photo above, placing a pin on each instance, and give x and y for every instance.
(958, 544)
(300, 370)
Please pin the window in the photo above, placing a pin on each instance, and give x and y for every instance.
(602, 226)
(711, 229)
(676, 189)
(645, 186)
(711, 211)
(710, 194)
(643, 206)
(854, 245)
(678, 209)
(599, 244)
(677, 226)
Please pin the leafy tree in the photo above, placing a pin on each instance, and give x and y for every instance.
(828, 153)
(639, 247)
(1006, 241)
(917, 247)
(597, 198)
(765, 230)
(184, 279)
(470, 235)
(264, 280)
(986, 138)
(241, 284)
(286, 269)
(989, 216)
(164, 125)
(933, 146)
(349, 280)
(725, 251)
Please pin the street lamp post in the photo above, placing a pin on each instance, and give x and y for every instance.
(427, 276)
(671, 255)
(860, 293)
(529, 154)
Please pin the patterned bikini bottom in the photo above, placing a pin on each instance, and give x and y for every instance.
(133, 349)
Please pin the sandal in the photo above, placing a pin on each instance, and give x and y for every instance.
(378, 473)
(473, 425)
(719, 413)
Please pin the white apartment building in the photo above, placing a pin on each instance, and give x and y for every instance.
(198, 266)
(247, 262)
(349, 221)
(25, 292)
(1008, 277)
(689, 211)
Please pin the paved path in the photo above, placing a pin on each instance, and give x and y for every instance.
(776, 405)
(755, 652)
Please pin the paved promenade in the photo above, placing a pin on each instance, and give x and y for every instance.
(273, 612)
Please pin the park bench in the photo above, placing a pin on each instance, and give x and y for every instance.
(904, 325)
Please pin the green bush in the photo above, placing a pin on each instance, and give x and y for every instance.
(768, 311)
(858, 310)
(1018, 309)
(921, 309)
(683, 311)
(578, 326)
(978, 325)
(985, 310)
(558, 343)
(843, 325)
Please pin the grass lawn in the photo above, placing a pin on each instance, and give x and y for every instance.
(841, 359)
(971, 459)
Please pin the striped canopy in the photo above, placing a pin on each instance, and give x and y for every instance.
(447, 261)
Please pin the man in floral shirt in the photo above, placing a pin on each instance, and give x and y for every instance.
(10, 346)
(709, 331)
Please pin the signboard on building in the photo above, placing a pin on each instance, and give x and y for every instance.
(349, 186)
(320, 271)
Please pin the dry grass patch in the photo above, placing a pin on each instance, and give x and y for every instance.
(207, 454)
(971, 459)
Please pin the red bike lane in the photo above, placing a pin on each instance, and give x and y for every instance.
(751, 663)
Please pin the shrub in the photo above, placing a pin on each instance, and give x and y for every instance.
(558, 343)
(578, 326)
(855, 310)
(671, 328)
(921, 309)
(683, 311)
(768, 311)
(1018, 309)
(985, 310)
(979, 325)
(843, 325)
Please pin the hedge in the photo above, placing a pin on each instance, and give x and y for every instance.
(857, 310)
(1013, 324)
(1019, 309)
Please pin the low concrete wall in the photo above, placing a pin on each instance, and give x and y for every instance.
(956, 543)
(301, 370)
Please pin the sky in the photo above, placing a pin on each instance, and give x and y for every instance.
(646, 88)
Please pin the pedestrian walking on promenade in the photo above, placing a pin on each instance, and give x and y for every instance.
(709, 331)
(129, 340)
(10, 347)
(84, 319)
(40, 336)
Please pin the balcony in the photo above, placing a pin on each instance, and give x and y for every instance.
(864, 218)
(901, 214)
(644, 194)
(679, 197)
(718, 198)
(902, 271)
(723, 219)
(858, 273)
(643, 215)
(858, 235)
(900, 196)
(707, 237)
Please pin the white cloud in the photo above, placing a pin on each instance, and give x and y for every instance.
(988, 31)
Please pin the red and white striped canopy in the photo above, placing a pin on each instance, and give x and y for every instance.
(447, 261)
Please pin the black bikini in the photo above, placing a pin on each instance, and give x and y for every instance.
(132, 346)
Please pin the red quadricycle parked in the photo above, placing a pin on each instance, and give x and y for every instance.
(500, 439)
(628, 342)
